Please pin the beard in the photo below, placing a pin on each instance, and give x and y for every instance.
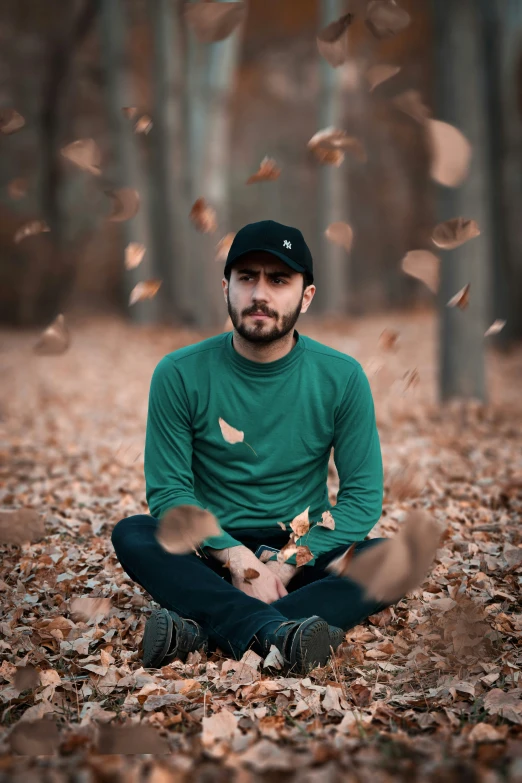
(264, 332)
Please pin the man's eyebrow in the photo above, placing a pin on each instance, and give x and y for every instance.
(245, 271)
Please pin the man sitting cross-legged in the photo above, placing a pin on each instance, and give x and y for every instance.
(291, 399)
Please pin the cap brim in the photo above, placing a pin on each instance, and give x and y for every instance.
(291, 263)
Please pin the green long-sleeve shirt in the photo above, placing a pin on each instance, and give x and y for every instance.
(292, 411)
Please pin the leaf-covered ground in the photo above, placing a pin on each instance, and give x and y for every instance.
(428, 690)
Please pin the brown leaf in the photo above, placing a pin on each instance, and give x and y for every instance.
(361, 694)
(30, 229)
(455, 232)
(378, 74)
(249, 574)
(183, 527)
(143, 125)
(329, 157)
(340, 233)
(87, 608)
(220, 726)
(508, 705)
(301, 524)
(223, 247)
(203, 216)
(483, 732)
(131, 740)
(384, 18)
(134, 253)
(214, 21)
(424, 265)
(268, 171)
(303, 556)
(85, 154)
(460, 299)
(21, 526)
(332, 41)
(410, 102)
(390, 569)
(327, 520)
(286, 552)
(495, 328)
(17, 188)
(34, 738)
(145, 289)
(130, 111)
(230, 434)
(451, 153)
(54, 340)
(333, 140)
(125, 204)
(26, 678)
(10, 121)
(388, 340)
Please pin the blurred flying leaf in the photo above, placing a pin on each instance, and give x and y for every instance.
(268, 172)
(125, 740)
(10, 121)
(378, 74)
(333, 139)
(214, 21)
(145, 289)
(461, 298)
(134, 253)
(301, 524)
(203, 217)
(423, 265)
(249, 574)
(223, 247)
(85, 154)
(332, 41)
(26, 678)
(328, 157)
(451, 153)
(34, 738)
(388, 340)
(130, 111)
(125, 203)
(403, 482)
(17, 188)
(411, 378)
(495, 328)
(389, 569)
(340, 234)
(54, 340)
(455, 232)
(410, 102)
(144, 124)
(384, 18)
(86, 608)
(286, 551)
(30, 229)
(21, 526)
(327, 520)
(184, 527)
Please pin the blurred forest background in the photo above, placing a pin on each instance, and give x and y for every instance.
(178, 119)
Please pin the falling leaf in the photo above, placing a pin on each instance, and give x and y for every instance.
(301, 524)
(388, 340)
(26, 678)
(183, 527)
(455, 232)
(223, 248)
(404, 482)
(424, 265)
(125, 203)
(268, 171)
(220, 726)
(286, 552)
(340, 233)
(54, 340)
(341, 564)
(34, 738)
(451, 153)
(30, 229)
(384, 18)
(131, 740)
(303, 556)
(495, 327)
(17, 188)
(410, 102)
(266, 555)
(214, 21)
(332, 140)
(249, 574)
(143, 125)
(230, 434)
(86, 608)
(389, 569)
(21, 526)
(378, 74)
(274, 659)
(203, 217)
(282, 525)
(461, 298)
(10, 121)
(130, 111)
(134, 253)
(332, 41)
(146, 289)
(411, 378)
(327, 521)
(329, 157)
(85, 154)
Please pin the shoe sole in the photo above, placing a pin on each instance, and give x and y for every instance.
(310, 645)
(157, 637)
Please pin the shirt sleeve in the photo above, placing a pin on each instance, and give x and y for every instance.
(169, 481)
(358, 459)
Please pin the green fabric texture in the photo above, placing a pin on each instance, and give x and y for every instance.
(292, 412)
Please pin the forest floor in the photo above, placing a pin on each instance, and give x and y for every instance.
(428, 690)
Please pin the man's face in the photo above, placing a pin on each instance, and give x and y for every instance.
(260, 282)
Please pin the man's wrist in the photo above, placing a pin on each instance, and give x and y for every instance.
(236, 558)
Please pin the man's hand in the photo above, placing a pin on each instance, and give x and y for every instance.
(285, 571)
(267, 587)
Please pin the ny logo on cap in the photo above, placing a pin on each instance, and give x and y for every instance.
(287, 244)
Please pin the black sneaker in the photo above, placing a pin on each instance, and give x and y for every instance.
(304, 644)
(168, 636)
(336, 636)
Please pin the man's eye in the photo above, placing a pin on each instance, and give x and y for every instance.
(247, 277)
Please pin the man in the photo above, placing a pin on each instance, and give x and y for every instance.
(294, 399)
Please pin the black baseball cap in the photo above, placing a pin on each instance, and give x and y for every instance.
(285, 242)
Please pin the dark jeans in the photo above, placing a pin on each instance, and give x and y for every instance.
(199, 588)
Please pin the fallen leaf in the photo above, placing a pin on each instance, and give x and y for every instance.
(455, 232)
(221, 725)
(249, 574)
(134, 253)
(377, 74)
(388, 340)
(131, 740)
(203, 216)
(85, 154)
(10, 121)
(268, 171)
(274, 659)
(54, 340)
(26, 678)
(483, 732)
(410, 102)
(460, 299)
(424, 265)
(86, 608)
(495, 327)
(507, 705)
(340, 234)
(223, 247)
(34, 738)
(301, 524)
(21, 526)
(450, 153)
(332, 41)
(125, 203)
(384, 18)
(183, 527)
(145, 289)
(17, 188)
(30, 229)
(214, 21)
